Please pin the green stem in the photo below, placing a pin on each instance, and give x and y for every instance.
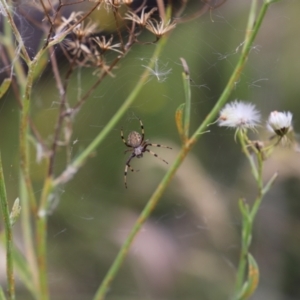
(252, 30)
(242, 138)
(100, 294)
(152, 203)
(25, 163)
(246, 241)
(28, 237)
(248, 220)
(24, 128)
(251, 33)
(187, 92)
(2, 295)
(26, 192)
(8, 236)
(79, 160)
(41, 238)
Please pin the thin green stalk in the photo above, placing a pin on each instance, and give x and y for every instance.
(240, 276)
(2, 295)
(249, 219)
(21, 77)
(25, 163)
(24, 131)
(24, 127)
(25, 87)
(21, 267)
(255, 171)
(101, 292)
(79, 160)
(152, 203)
(8, 236)
(249, 216)
(251, 33)
(28, 237)
(262, 191)
(187, 92)
(41, 238)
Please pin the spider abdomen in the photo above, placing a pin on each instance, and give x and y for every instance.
(134, 139)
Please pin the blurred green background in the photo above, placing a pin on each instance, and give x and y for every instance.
(189, 248)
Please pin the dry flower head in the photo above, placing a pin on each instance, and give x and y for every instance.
(239, 114)
(159, 28)
(142, 18)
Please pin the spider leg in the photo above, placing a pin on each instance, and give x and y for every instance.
(158, 145)
(125, 175)
(126, 171)
(154, 154)
(142, 129)
(123, 139)
(131, 168)
(126, 168)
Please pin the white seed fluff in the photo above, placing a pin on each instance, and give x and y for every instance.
(239, 114)
(280, 122)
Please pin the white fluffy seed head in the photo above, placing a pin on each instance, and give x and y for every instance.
(280, 122)
(239, 114)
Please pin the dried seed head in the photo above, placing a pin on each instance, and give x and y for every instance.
(159, 28)
(142, 18)
(280, 122)
(85, 30)
(65, 23)
(238, 114)
(109, 4)
(106, 45)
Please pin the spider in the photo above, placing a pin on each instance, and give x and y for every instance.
(139, 145)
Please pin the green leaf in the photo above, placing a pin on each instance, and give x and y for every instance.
(252, 281)
(15, 212)
(244, 208)
(22, 268)
(41, 65)
(2, 295)
(24, 272)
(4, 86)
(179, 123)
(269, 183)
(187, 93)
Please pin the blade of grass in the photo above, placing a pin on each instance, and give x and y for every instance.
(2, 295)
(8, 237)
(187, 93)
(252, 281)
(178, 120)
(22, 268)
(28, 237)
(4, 86)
